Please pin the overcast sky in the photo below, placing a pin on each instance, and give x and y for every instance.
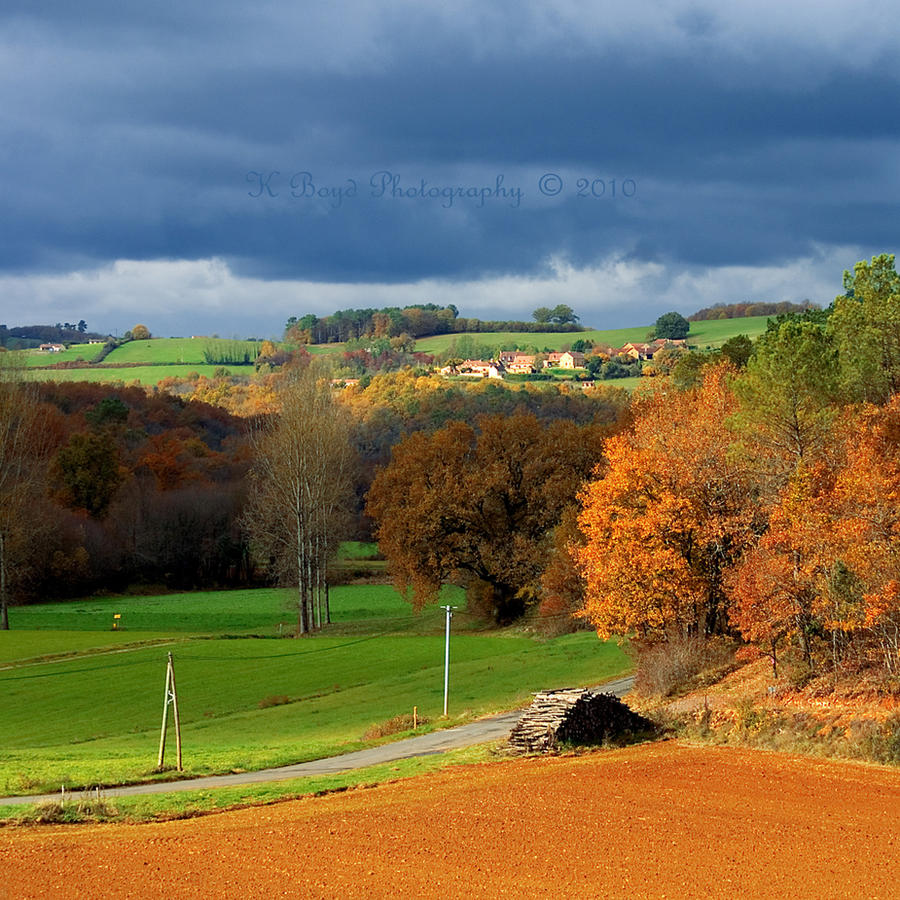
(623, 158)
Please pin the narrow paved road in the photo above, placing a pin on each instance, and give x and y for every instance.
(492, 728)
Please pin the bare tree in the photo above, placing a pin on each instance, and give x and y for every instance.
(301, 483)
(22, 455)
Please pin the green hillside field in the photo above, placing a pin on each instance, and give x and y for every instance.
(179, 357)
(82, 702)
(173, 350)
(145, 375)
(702, 334)
(76, 352)
(715, 332)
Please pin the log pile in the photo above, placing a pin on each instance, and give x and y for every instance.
(574, 716)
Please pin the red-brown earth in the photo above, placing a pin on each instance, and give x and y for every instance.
(660, 820)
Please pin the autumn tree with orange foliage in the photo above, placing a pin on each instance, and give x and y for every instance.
(780, 586)
(828, 568)
(476, 505)
(868, 500)
(673, 511)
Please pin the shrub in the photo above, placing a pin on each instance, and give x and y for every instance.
(881, 742)
(680, 663)
(274, 700)
(393, 726)
(87, 809)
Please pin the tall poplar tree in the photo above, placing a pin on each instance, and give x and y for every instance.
(302, 484)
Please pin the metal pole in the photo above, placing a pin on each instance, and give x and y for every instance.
(447, 657)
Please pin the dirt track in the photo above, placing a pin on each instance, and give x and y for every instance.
(660, 820)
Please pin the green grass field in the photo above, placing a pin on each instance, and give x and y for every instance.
(627, 384)
(259, 612)
(82, 702)
(701, 334)
(155, 352)
(717, 331)
(79, 351)
(146, 375)
(172, 350)
(179, 357)
(359, 550)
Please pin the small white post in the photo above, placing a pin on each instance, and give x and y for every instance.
(449, 610)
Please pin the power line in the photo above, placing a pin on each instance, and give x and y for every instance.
(370, 637)
(133, 662)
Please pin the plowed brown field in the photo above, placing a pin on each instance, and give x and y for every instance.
(662, 820)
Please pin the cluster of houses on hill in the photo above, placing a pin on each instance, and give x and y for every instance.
(646, 351)
(514, 362)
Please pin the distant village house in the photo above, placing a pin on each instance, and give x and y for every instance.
(520, 364)
(565, 359)
(478, 367)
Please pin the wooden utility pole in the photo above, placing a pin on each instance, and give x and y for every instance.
(171, 697)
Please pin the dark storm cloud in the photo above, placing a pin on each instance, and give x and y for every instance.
(129, 134)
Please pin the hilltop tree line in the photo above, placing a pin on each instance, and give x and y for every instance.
(741, 310)
(23, 336)
(417, 321)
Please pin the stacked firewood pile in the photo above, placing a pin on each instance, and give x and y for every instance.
(575, 716)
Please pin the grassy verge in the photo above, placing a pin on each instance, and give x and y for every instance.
(742, 705)
(185, 804)
(832, 735)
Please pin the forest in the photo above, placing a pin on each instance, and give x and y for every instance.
(750, 496)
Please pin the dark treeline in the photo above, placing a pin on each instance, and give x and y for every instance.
(137, 489)
(742, 310)
(25, 336)
(416, 321)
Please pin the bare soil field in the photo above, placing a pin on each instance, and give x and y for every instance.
(660, 820)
